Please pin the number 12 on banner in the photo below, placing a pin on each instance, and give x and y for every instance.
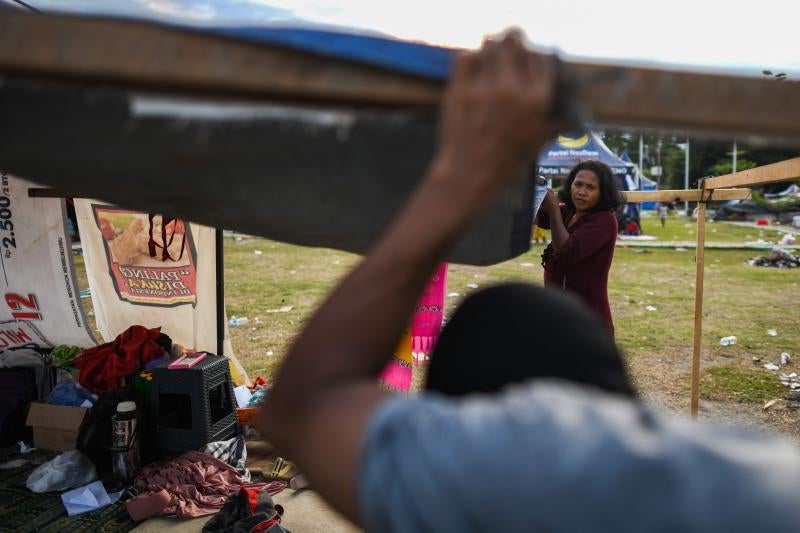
(19, 305)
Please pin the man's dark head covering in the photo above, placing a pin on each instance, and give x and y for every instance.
(515, 332)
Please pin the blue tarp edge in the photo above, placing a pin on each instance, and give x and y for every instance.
(418, 59)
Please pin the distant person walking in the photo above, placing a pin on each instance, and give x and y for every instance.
(662, 214)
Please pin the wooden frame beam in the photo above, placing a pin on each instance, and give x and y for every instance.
(159, 58)
(783, 171)
(680, 100)
(36, 192)
(685, 195)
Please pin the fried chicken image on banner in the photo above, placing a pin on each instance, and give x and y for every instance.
(131, 244)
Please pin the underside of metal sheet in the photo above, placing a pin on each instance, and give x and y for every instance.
(330, 178)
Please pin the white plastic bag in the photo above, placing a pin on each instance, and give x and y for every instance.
(70, 469)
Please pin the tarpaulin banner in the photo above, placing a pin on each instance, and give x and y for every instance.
(16, 333)
(149, 270)
(37, 274)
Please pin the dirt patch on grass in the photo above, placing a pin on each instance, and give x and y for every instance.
(663, 377)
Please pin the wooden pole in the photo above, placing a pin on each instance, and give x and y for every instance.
(142, 56)
(788, 170)
(219, 259)
(690, 195)
(698, 305)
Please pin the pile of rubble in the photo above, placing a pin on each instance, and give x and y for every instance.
(778, 258)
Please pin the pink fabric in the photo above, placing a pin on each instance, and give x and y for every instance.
(148, 505)
(397, 375)
(426, 322)
(199, 483)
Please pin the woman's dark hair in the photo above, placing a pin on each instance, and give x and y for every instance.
(610, 197)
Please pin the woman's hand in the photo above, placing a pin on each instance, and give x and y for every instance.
(558, 231)
(550, 203)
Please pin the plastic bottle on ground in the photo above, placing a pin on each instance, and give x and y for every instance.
(238, 321)
(727, 341)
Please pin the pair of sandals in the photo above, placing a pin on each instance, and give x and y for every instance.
(284, 470)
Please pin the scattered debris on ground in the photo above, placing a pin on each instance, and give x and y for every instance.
(282, 309)
(789, 380)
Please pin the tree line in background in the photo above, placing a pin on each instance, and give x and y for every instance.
(707, 157)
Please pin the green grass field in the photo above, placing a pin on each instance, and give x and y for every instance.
(683, 229)
(283, 284)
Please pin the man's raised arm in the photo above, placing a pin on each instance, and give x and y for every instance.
(494, 117)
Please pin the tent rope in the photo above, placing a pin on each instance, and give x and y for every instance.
(703, 192)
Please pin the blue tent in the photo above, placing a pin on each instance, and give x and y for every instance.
(559, 156)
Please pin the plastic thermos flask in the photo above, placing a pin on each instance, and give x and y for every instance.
(125, 442)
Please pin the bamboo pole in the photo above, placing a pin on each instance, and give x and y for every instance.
(698, 304)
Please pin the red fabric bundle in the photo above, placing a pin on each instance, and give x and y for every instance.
(103, 365)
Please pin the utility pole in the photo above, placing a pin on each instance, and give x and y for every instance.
(641, 152)
(658, 157)
(734, 156)
(686, 175)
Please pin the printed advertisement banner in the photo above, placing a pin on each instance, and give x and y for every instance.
(150, 262)
(152, 271)
(37, 273)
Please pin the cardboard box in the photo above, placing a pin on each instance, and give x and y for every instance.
(55, 427)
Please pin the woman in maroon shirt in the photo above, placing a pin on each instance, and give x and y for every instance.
(584, 231)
